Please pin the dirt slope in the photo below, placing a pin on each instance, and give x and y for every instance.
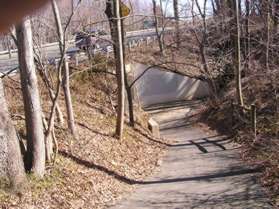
(96, 168)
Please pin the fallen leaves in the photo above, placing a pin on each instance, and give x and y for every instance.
(94, 170)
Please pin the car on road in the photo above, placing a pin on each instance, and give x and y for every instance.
(91, 40)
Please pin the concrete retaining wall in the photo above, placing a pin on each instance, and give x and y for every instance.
(158, 86)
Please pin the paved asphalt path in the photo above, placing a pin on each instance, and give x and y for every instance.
(200, 170)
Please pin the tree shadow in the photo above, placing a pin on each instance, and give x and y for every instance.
(201, 148)
(151, 138)
(215, 143)
(247, 197)
(206, 177)
(192, 141)
(185, 121)
(92, 165)
(206, 141)
(162, 107)
(93, 130)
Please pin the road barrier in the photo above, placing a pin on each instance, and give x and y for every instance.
(51, 54)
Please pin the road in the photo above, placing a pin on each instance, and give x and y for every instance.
(201, 170)
(51, 51)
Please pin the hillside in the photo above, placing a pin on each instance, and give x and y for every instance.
(94, 169)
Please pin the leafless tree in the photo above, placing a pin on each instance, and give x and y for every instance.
(275, 15)
(35, 158)
(126, 79)
(43, 70)
(159, 34)
(49, 85)
(66, 81)
(268, 25)
(176, 17)
(113, 13)
(202, 42)
(247, 34)
(237, 59)
(11, 162)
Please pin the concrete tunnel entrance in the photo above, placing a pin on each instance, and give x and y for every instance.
(157, 86)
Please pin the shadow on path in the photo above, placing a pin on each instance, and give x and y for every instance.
(127, 180)
(202, 141)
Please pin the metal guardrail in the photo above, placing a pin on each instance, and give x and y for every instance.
(128, 34)
(52, 54)
(2, 75)
(43, 46)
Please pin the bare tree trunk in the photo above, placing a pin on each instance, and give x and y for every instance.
(46, 77)
(11, 162)
(49, 86)
(128, 89)
(32, 106)
(275, 16)
(247, 34)
(214, 7)
(9, 46)
(267, 33)
(66, 81)
(113, 13)
(233, 13)
(159, 35)
(163, 22)
(176, 17)
(131, 106)
(68, 98)
(202, 45)
(209, 80)
(218, 5)
(59, 113)
(238, 57)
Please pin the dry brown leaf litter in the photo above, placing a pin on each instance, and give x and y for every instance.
(96, 169)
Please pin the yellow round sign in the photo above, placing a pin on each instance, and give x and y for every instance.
(125, 10)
